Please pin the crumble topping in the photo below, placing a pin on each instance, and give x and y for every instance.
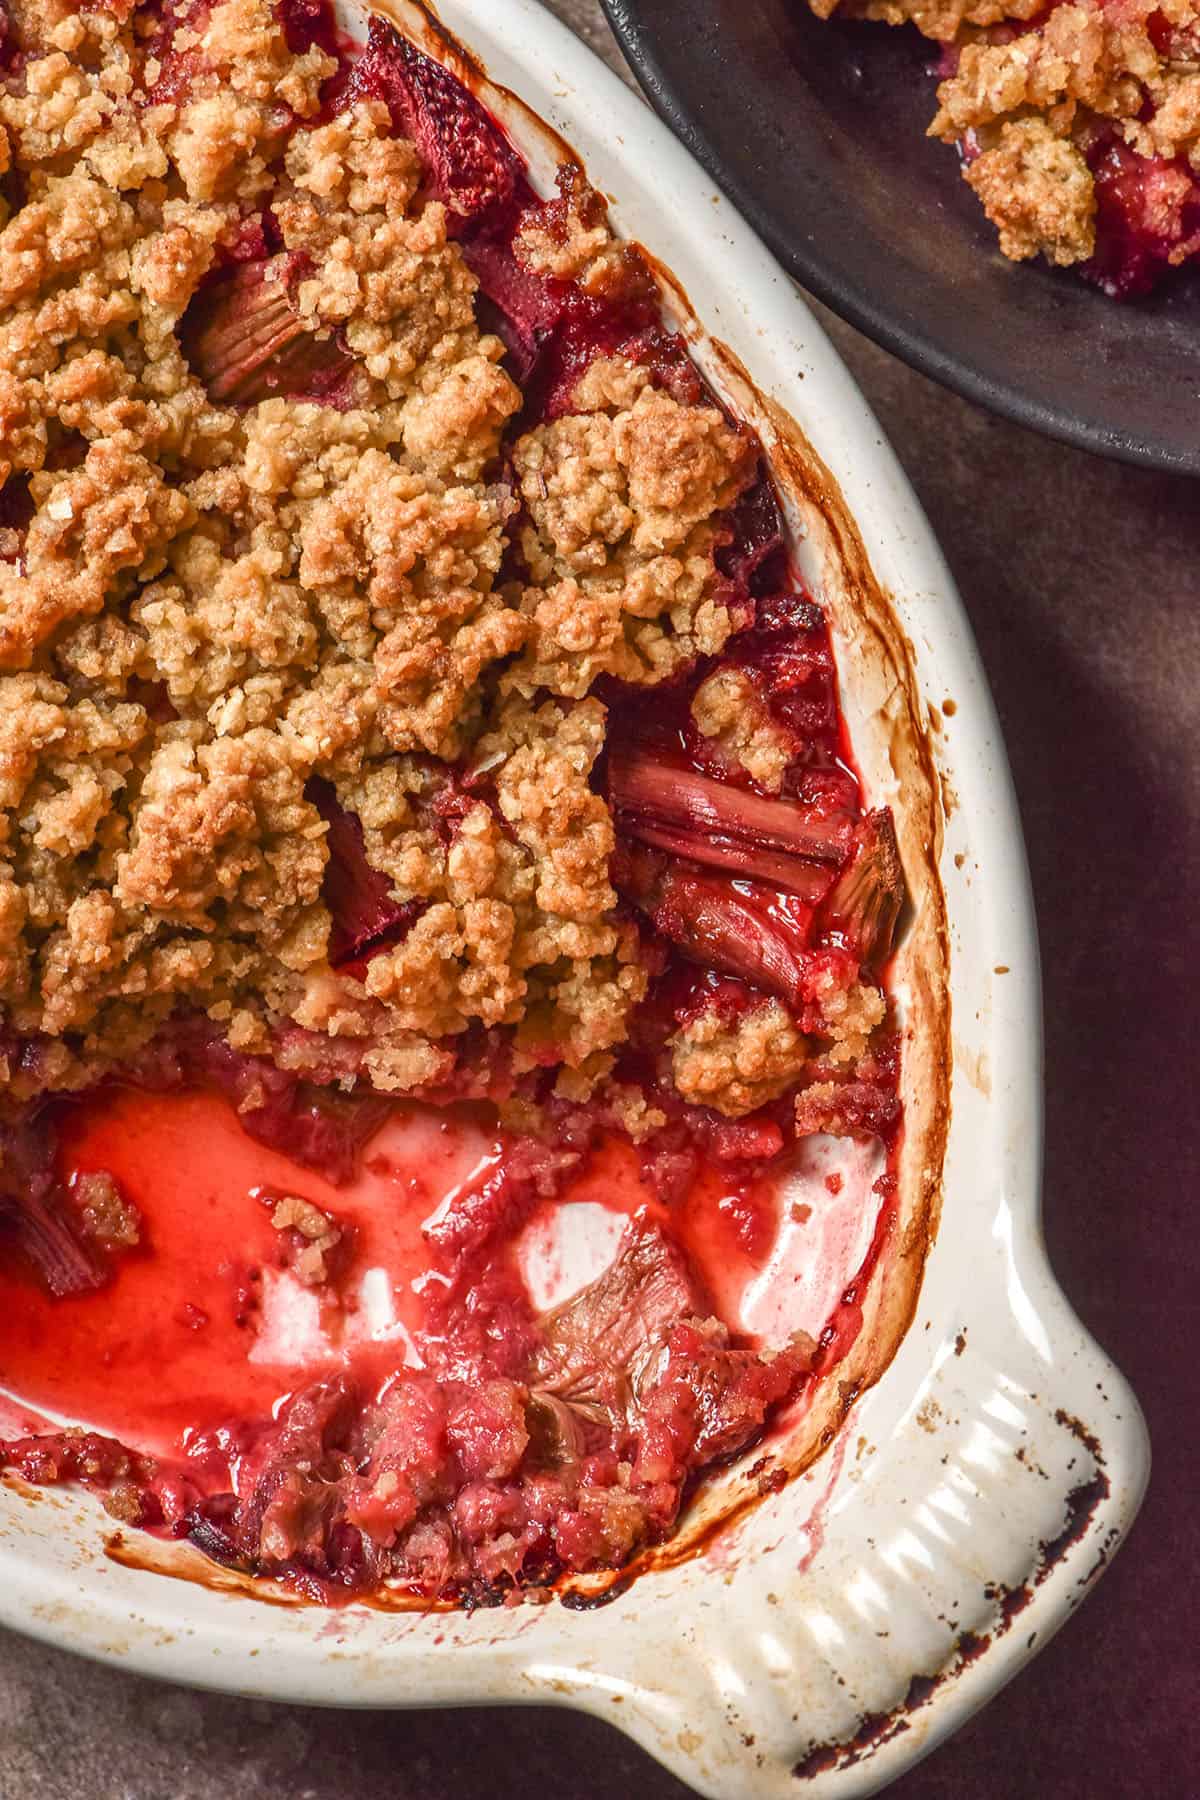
(105, 1214)
(739, 1066)
(212, 605)
(1036, 190)
(940, 19)
(313, 1235)
(730, 711)
(625, 501)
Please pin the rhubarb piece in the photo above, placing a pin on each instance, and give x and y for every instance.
(65, 1265)
(34, 1206)
(245, 338)
(788, 647)
(664, 801)
(284, 1511)
(862, 909)
(596, 1345)
(711, 1400)
(557, 1431)
(740, 927)
(554, 332)
(10, 50)
(365, 916)
(519, 307)
(499, 1199)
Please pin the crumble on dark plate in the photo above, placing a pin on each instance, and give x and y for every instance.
(1078, 124)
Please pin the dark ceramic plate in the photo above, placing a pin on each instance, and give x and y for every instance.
(817, 133)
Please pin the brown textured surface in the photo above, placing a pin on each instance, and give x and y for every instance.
(1083, 583)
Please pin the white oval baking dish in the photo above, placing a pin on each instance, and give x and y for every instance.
(830, 1636)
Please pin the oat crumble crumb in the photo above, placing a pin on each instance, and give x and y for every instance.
(738, 1067)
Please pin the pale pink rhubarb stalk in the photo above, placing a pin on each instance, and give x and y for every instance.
(246, 340)
(665, 802)
(864, 904)
(739, 927)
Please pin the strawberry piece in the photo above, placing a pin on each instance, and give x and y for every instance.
(470, 164)
(309, 23)
(1147, 218)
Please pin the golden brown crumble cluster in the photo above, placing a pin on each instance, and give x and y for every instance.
(313, 1235)
(211, 605)
(740, 1066)
(1031, 103)
(728, 709)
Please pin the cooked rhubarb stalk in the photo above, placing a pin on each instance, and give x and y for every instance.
(599, 1347)
(43, 1231)
(665, 802)
(359, 897)
(35, 1208)
(739, 927)
(65, 1265)
(245, 337)
(612, 1323)
(863, 906)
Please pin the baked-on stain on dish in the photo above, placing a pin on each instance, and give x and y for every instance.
(877, 1729)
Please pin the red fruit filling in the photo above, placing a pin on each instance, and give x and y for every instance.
(1147, 218)
(1101, 90)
